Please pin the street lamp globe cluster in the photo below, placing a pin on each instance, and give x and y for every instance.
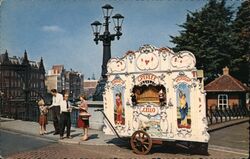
(106, 38)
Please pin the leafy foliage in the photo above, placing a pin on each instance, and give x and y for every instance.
(210, 35)
(241, 38)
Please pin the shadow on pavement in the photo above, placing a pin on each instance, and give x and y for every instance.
(121, 143)
(93, 136)
(75, 135)
(173, 148)
(166, 147)
(118, 142)
(50, 132)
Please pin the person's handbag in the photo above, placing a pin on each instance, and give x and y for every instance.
(84, 115)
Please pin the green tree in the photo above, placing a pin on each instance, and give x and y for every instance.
(207, 33)
(241, 38)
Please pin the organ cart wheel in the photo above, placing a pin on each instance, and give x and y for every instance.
(141, 142)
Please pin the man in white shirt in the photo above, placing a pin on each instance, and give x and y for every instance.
(56, 102)
(65, 120)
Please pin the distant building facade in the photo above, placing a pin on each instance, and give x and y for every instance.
(55, 78)
(75, 82)
(62, 80)
(89, 87)
(226, 91)
(22, 83)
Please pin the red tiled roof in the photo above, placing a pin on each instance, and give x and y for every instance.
(226, 83)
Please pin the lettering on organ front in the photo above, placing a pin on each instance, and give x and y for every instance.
(182, 78)
(148, 110)
(146, 77)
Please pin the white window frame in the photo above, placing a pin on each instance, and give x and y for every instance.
(221, 102)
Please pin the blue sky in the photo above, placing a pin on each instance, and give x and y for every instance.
(60, 31)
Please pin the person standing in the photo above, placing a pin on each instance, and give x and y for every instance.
(65, 120)
(43, 116)
(84, 116)
(56, 101)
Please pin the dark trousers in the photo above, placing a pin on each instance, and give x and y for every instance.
(56, 118)
(65, 121)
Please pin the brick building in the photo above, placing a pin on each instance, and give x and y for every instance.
(226, 91)
(21, 85)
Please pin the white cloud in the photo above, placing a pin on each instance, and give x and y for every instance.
(52, 28)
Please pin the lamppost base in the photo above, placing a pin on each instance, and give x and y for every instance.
(100, 88)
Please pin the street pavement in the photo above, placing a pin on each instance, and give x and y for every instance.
(231, 137)
(99, 142)
(12, 142)
(74, 151)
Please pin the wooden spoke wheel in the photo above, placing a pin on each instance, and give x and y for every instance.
(141, 142)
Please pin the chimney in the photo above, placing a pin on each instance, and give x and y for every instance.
(226, 71)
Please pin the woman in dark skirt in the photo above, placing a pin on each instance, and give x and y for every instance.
(84, 117)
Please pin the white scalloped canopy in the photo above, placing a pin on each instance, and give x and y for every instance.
(150, 58)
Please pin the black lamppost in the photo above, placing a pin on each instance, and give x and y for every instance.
(24, 75)
(1, 97)
(106, 38)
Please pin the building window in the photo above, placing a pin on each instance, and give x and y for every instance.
(222, 101)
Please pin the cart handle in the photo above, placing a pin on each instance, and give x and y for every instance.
(98, 110)
(101, 110)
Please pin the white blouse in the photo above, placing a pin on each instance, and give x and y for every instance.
(63, 106)
(56, 101)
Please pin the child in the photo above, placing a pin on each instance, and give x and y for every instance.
(43, 116)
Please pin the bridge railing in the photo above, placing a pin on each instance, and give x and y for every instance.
(96, 120)
(217, 114)
(214, 114)
(18, 112)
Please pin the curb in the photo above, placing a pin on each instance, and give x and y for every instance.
(68, 141)
(225, 125)
(91, 142)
